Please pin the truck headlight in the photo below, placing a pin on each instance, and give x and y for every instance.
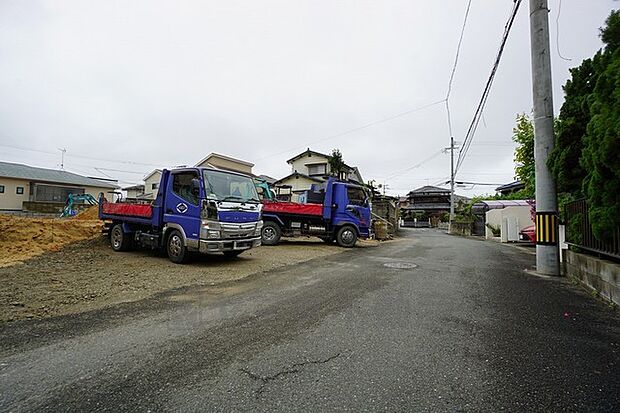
(209, 229)
(259, 228)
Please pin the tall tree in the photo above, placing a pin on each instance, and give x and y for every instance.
(523, 136)
(336, 163)
(601, 151)
(564, 160)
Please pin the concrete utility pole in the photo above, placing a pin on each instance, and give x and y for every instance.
(451, 148)
(547, 257)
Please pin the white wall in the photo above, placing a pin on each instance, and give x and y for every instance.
(10, 199)
(495, 217)
(299, 165)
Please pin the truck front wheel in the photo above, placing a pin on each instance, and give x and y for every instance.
(271, 233)
(346, 236)
(119, 241)
(177, 252)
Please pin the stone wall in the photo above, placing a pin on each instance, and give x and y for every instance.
(601, 275)
(461, 227)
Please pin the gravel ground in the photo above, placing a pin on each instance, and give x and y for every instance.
(88, 275)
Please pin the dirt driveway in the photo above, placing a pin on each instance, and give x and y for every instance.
(89, 275)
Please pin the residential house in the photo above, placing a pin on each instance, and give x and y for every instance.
(311, 167)
(216, 160)
(135, 191)
(429, 203)
(24, 187)
(510, 188)
(151, 184)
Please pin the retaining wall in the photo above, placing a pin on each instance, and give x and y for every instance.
(598, 274)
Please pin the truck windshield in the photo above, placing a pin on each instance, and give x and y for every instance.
(224, 186)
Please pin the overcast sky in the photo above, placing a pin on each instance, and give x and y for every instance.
(145, 84)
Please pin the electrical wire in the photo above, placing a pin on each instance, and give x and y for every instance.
(471, 131)
(430, 158)
(557, 32)
(70, 155)
(349, 131)
(453, 72)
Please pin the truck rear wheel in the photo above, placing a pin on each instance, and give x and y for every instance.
(346, 236)
(119, 241)
(271, 233)
(177, 252)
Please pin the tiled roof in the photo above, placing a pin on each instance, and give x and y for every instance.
(31, 173)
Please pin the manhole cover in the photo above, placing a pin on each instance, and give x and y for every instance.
(401, 265)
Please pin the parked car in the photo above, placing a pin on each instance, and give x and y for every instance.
(528, 234)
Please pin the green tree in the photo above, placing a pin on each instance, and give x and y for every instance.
(564, 159)
(336, 163)
(601, 144)
(523, 136)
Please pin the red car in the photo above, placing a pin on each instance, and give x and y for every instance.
(528, 234)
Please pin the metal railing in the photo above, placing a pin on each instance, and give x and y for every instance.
(579, 231)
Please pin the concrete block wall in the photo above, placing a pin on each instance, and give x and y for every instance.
(598, 274)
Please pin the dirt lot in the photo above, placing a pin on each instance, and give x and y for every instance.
(22, 238)
(89, 275)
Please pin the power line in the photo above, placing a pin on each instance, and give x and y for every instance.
(69, 155)
(557, 32)
(453, 72)
(433, 156)
(485, 94)
(349, 131)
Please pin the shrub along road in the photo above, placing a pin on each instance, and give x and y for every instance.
(427, 323)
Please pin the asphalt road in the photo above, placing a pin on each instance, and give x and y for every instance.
(430, 322)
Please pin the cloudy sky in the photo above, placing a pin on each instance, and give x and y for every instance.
(127, 86)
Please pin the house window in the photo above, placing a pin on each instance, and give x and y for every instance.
(154, 186)
(52, 193)
(1, 189)
(319, 169)
(19, 190)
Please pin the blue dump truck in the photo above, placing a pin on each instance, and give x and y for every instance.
(333, 211)
(196, 210)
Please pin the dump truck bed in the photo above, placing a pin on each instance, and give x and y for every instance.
(293, 208)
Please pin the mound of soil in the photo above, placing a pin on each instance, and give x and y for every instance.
(22, 238)
(89, 214)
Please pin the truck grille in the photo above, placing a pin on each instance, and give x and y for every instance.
(230, 230)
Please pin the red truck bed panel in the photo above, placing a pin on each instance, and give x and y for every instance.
(134, 210)
(293, 208)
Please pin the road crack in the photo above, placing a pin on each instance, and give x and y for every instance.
(293, 369)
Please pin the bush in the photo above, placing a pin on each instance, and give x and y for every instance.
(495, 229)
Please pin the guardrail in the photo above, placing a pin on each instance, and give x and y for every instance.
(579, 231)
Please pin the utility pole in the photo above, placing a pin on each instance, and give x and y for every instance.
(547, 257)
(451, 149)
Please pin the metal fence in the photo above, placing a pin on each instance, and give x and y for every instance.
(579, 231)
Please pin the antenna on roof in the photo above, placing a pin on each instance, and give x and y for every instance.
(62, 158)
